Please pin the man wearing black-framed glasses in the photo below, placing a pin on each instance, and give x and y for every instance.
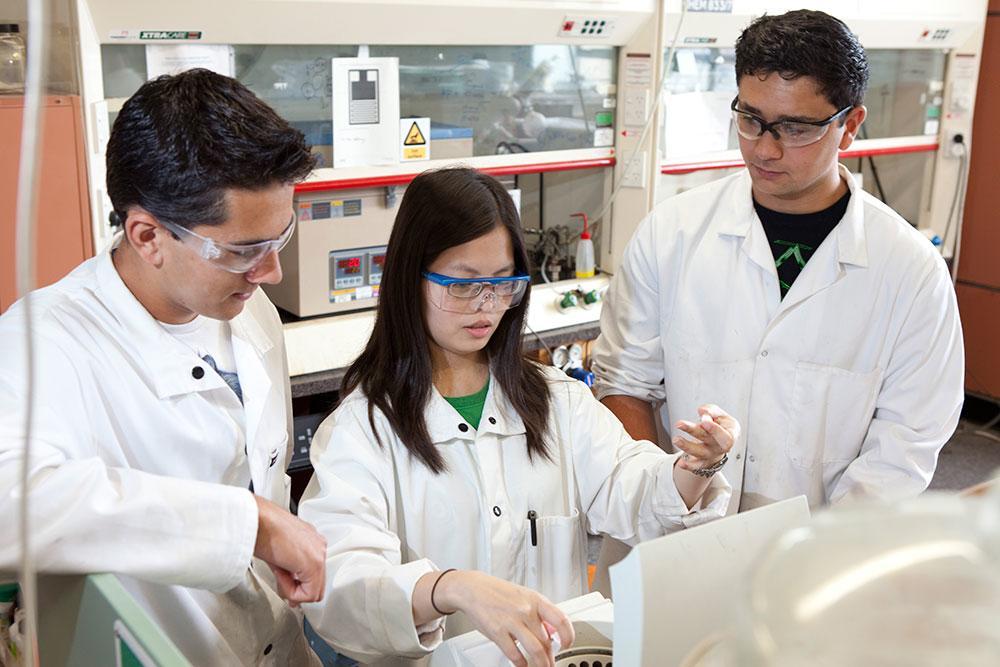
(789, 132)
(787, 295)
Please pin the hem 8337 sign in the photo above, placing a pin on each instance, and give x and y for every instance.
(710, 6)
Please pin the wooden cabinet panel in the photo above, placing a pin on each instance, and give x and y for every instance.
(981, 325)
(979, 265)
(63, 234)
(981, 226)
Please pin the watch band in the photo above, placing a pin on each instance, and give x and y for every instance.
(708, 471)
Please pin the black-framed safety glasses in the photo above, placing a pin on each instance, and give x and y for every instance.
(790, 133)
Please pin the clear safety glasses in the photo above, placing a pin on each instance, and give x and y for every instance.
(235, 258)
(790, 133)
(470, 295)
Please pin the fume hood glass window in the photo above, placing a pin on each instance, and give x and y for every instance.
(903, 99)
(512, 98)
(481, 100)
(124, 69)
(699, 87)
(296, 80)
(61, 35)
(905, 91)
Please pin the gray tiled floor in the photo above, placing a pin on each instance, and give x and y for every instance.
(970, 457)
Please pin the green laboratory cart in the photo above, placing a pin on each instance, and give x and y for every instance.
(92, 620)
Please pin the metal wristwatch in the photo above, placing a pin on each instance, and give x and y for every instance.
(708, 471)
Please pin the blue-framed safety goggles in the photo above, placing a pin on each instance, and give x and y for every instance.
(469, 295)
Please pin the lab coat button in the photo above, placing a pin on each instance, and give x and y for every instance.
(496, 510)
(739, 456)
(463, 427)
(752, 458)
(197, 372)
(764, 353)
(268, 649)
(493, 420)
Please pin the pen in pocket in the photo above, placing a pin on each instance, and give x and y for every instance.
(533, 517)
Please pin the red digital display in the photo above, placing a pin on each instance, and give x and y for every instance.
(349, 265)
(378, 260)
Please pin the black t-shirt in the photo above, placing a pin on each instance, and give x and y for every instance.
(794, 237)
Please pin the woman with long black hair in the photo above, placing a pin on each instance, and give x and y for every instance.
(458, 476)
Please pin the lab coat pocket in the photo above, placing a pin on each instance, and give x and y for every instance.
(555, 554)
(830, 413)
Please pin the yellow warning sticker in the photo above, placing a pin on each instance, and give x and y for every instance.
(414, 137)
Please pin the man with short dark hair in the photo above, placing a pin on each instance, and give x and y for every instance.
(162, 424)
(802, 305)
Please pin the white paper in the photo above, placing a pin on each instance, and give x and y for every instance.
(175, 58)
(365, 111)
(698, 570)
(515, 194)
(696, 123)
(414, 139)
(604, 136)
(687, 64)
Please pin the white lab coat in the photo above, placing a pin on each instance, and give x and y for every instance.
(848, 387)
(388, 519)
(138, 469)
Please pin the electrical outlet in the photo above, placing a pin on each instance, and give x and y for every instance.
(954, 144)
(635, 107)
(635, 177)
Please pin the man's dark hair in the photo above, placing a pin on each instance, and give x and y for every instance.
(182, 140)
(806, 43)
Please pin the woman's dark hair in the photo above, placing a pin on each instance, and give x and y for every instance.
(806, 43)
(441, 210)
(180, 141)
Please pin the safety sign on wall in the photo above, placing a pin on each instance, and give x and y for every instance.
(414, 139)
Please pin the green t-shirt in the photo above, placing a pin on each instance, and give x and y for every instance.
(471, 407)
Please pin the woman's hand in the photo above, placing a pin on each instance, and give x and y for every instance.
(506, 613)
(714, 435)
